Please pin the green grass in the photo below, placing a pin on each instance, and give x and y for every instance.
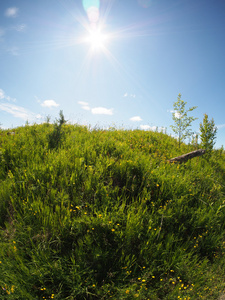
(103, 215)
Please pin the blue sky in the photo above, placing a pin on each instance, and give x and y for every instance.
(115, 63)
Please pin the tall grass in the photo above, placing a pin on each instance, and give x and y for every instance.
(103, 215)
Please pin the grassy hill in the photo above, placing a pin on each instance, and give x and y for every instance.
(94, 214)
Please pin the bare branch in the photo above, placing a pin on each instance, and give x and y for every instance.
(186, 157)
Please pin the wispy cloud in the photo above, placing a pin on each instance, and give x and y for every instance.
(49, 103)
(102, 111)
(20, 27)
(84, 105)
(16, 111)
(13, 50)
(127, 95)
(136, 119)
(146, 127)
(38, 116)
(176, 113)
(220, 126)
(4, 96)
(11, 12)
(96, 110)
(153, 128)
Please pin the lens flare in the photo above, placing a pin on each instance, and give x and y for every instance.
(92, 9)
(91, 3)
(95, 38)
(93, 15)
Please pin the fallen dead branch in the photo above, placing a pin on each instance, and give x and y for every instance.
(185, 157)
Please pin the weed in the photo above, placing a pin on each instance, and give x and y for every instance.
(102, 215)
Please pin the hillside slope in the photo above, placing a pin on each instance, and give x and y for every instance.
(94, 214)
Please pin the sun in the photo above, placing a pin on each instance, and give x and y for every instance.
(97, 39)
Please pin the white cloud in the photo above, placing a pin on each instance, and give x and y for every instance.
(2, 94)
(85, 107)
(176, 113)
(11, 12)
(101, 111)
(49, 104)
(38, 116)
(96, 110)
(20, 27)
(136, 119)
(220, 126)
(16, 111)
(126, 95)
(153, 128)
(146, 127)
(83, 103)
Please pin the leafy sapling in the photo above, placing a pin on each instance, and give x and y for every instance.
(55, 137)
(62, 120)
(182, 120)
(208, 132)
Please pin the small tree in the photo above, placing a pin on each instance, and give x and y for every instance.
(208, 132)
(62, 119)
(182, 120)
(47, 119)
(55, 137)
(194, 141)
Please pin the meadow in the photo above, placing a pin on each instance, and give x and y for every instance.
(102, 214)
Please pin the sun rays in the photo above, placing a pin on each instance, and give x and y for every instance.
(97, 39)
